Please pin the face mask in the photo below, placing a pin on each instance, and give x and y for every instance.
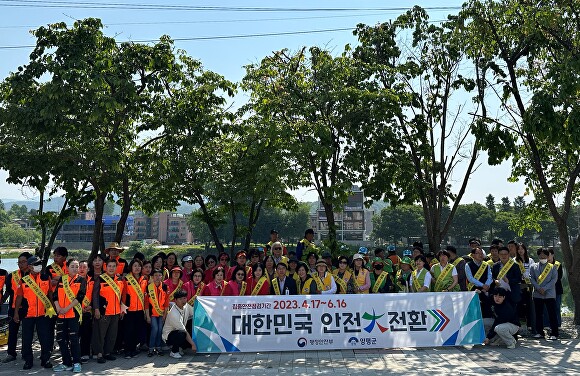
(37, 268)
(543, 261)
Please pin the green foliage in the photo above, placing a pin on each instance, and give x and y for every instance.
(13, 233)
(394, 223)
(414, 156)
(319, 108)
(471, 220)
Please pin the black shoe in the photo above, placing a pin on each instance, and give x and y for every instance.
(47, 364)
(27, 366)
(150, 353)
(135, 354)
(110, 357)
(101, 360)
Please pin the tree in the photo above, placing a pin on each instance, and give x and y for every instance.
(426, 145)
(528, 54)
(93, 113)
(320, 106)
(506, 205)
(471, 220)
(519, 204)
(394, 223)
(490, 203)
(193, 124)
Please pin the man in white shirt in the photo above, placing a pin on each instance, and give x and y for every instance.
(174, 332)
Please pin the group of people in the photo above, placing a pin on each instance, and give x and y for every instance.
(111, 306)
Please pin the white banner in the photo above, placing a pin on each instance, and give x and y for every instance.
(315, 322)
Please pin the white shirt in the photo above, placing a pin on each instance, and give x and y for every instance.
(176, 319)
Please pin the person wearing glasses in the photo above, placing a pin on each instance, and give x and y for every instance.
(343, 277)
(277, 254)
(211, 265)
(240, 262)
(237, 285)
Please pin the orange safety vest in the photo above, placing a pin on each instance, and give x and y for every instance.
(63, 300)
(133, 303)
(162, 298)
(113, 306)
(35, 306)
(15, 286)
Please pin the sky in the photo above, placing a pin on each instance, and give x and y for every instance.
(225, 36)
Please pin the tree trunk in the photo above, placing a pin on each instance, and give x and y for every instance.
(234, 229)
(125, 209)
(98, 230)
(208, 220)
(332, 242)
(255, 209)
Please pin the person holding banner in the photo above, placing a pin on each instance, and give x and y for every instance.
(420, 280)
(361, 274)
(444, 274)
(36, 293)
(107, 292)
(324, 280)
(343, 277)
(306, 285)
(67, 298)
(258, 283)
(133, 297)
(544, 276)
(237, 286)
(281, 284)
(216, 287)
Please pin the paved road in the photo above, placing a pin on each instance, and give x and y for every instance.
(530, 357)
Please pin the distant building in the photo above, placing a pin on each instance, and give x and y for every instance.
(80, 229)
(166, 227)
(352, 222)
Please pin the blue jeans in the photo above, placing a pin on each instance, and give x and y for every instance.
(156, 330)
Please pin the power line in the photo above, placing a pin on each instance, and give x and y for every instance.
(217, 21)
(239, 36)
(169, 7)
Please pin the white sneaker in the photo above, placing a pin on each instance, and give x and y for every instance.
(512, 346)
(181, 352)
(175, 355)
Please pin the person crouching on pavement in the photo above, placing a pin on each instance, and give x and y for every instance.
(174, 330)
(506, 322)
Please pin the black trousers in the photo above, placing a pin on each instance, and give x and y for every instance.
(552, 314)
(67, 336)
(43, 326)
(86, 333)
(177, 339)
(13, 328)
(132, 324)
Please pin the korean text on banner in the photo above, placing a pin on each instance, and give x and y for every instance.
(316, 322)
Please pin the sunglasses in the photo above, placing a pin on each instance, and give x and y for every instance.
(223, 259)
(277, 249)
(240, 274)
(342, 262)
